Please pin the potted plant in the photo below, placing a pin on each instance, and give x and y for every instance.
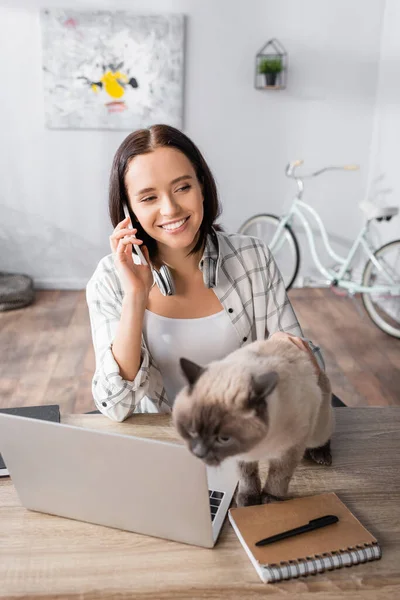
(270, 67)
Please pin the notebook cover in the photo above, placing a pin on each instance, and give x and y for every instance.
(258, 522)
(50, 412)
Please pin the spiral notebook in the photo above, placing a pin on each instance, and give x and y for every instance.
(344, 544)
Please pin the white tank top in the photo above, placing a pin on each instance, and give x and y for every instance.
(200, 340)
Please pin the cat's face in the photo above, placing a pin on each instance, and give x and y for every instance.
(222, 412)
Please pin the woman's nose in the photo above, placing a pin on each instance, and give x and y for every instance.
(169, 206)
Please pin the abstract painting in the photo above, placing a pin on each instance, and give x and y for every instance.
(112, 70)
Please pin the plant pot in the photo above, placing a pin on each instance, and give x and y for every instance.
(270, 78)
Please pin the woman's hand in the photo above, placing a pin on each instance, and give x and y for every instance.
(301, 344)
(136, 280)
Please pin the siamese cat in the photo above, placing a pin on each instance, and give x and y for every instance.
(263, 401)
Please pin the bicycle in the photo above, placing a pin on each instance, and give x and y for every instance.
(380, 282)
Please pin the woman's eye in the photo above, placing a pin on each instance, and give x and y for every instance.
(147, 199)
(223, 439)
(182, 189)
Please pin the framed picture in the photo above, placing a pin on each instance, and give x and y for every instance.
(112, 70)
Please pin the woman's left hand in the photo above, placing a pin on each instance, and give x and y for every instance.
(301, 344)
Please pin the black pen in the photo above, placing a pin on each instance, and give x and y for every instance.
(313, 524)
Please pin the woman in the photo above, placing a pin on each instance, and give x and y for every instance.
(228, 290)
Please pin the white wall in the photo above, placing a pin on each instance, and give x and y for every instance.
(53, 191)
(383, 184)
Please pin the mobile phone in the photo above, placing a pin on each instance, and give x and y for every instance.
(135, 248)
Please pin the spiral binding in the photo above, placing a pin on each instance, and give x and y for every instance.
(311, 565)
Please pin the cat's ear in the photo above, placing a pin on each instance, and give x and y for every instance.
(264, 384)
(190, 370)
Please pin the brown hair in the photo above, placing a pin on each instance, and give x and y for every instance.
(144, 141)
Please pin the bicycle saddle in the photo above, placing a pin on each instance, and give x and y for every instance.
(373, 211)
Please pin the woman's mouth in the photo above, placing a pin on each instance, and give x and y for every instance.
(175, 227)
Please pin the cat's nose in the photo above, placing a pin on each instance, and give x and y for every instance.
(199, 449)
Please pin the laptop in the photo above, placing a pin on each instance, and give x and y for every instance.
(136, 484)
(47, 412)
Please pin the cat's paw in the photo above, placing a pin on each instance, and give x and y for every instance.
(267, 498)
(246, 499)
(321, 455)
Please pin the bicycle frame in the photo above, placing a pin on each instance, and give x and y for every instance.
(297, 210)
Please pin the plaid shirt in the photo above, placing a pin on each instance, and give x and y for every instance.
(249, 287)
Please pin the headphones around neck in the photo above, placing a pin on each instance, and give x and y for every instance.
(163, 277)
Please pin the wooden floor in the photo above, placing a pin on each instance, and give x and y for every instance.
(362, 362)
(47, 355)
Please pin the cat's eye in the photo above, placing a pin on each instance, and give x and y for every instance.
(223, 439)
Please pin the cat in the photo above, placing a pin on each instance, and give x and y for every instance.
(263, 401)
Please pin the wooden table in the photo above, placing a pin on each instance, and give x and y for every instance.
(52, 557)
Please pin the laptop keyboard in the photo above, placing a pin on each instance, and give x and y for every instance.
(215, 501)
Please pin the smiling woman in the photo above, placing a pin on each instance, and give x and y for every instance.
(228, 290)
(171, 210)
(148, 168)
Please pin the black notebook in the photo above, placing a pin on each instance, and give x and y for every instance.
(50, 412)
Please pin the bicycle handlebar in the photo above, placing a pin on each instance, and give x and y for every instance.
(290, 169)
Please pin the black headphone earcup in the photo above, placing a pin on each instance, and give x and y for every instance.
(213, 274)
(209, 272)
(167, 280)
(160, 282)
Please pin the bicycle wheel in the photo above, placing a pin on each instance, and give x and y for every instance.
(384, 309)
(286, 251)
